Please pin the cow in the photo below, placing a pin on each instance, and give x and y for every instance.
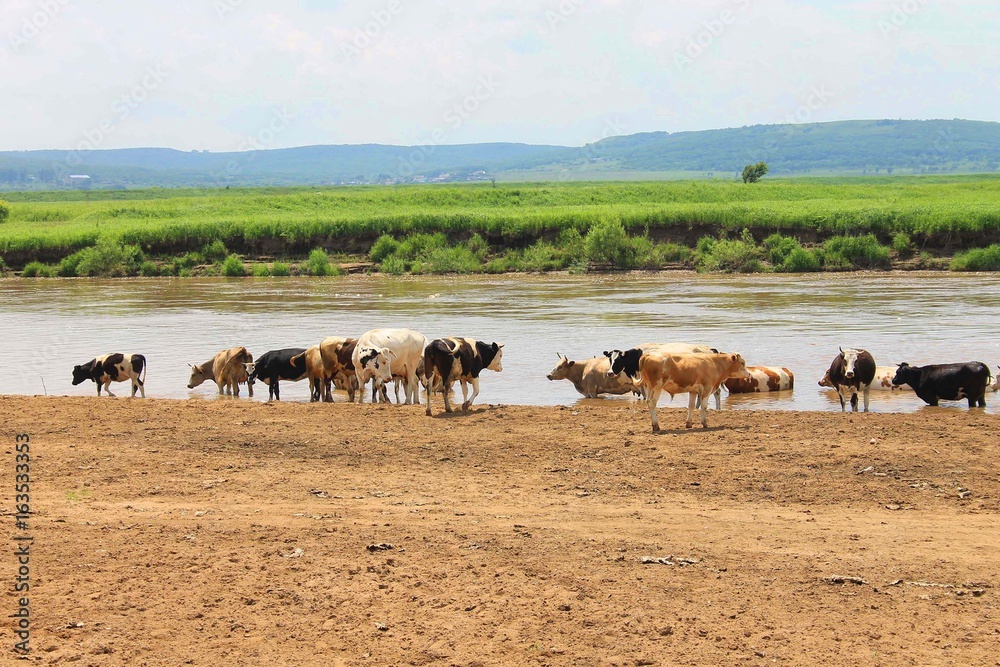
(462, 359)
(951, 382)
(591, 377)
(114, 367)
(227, 369)
(698, 375)
(628, 360)
(316, 372)
(996, 382)
(381, 353)
(761, 379)
(338, 359)
(852, 371)
(276, 365)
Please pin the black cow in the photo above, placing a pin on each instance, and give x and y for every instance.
(462, 359)
(114, 367)
(951, 382)
(276, 365)
(627, 362)
(852, 370)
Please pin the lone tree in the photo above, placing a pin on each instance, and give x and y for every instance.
(753, 172)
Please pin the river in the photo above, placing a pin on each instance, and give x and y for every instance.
(781, 320)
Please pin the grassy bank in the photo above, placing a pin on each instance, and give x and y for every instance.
(790, 225)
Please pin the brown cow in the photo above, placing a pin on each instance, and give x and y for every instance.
(699, 375)
(227, 368)
(591, 377)
(762, 379)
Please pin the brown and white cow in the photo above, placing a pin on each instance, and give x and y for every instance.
(762, 379)
(227, 369)
(462, 359)
(852, 371)
(338, 358)
(114, 367)
(627, 361)
(698, 375)
(591, 377)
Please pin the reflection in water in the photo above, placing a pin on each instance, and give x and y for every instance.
(793, 321)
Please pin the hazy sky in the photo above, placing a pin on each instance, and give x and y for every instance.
(239, 74)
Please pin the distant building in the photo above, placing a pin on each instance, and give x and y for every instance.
(81, 181)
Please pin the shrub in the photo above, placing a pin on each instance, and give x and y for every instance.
(540, 257)
(3, 267)
(383, 247)
(800, 260)
(901, 243)
(418, 246)
(507, 262)
(668, 253)
(4, 211)
(607, 242)
(477, 246)
(862, 252)
(233, 267)
(980, 259)
(318, 263)
(280, 269)
(149, 269)
(779, 247)
(36, 270)
(190, 260)
(737, 256)
(261, 271)
(393, 266)
(109, 258)
(458, 259)
(69, 264)
(215, 251)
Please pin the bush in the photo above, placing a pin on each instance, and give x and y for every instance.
(393, 266)
(36, 270)
(754, 172)
(318, 264)
(420, 246)
(779, 247)
(540, 257)
(215, 251)
(190, 260)
(477, 246)
(861, 252)
(980, 259)
(68, 266)
(233, 267)
(738, 256)
(672, 253)
(260, 271)
(507, 262)
(149, 269)
(458, 259)
(280, 269)
(800, 260)
(4, 211)
(901, 243)
(383, 247)
(607, 242)
(109, 258)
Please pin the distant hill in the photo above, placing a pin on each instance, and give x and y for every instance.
(847, 147)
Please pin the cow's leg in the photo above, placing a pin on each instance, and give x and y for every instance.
(235, 384)
(692, 399)
(446, 390)
(854, 401)
(430, 383)
(361, 388)
(652, 398)
(414, 387)
(866, 398)
(274, 392)
(704, 410)
(718, 398)
(250, 388)
(135, 387)
(475, 392)
(107, 389)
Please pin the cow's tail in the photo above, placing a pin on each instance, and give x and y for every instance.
(142, 380)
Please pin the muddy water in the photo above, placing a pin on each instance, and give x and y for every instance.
(797, 322)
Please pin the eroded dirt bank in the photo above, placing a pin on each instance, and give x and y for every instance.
(230, 532)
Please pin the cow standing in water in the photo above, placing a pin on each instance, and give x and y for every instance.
(227, 369)
(951, 382)
(115, 367)
(852, 371)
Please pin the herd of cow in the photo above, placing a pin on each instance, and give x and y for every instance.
(405, 358)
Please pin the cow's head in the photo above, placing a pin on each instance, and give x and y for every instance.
(83, 372)
(825, 380)
(251, 369)
(738, 366)
(197, 376)
(850, 356)
(495, 364)
(374, 363)
(906, 374)
(561, 371)
(627, 361)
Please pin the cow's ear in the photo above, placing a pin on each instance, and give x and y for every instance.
(572, 363)
(606, 353)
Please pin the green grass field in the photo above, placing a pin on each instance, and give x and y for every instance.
(951, 212)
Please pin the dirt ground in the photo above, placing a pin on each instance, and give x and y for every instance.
(240, 533)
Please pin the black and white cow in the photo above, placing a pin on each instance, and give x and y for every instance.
(462, 359)
(276, 365)
(951, 382)
(852, 371)
(114, 367)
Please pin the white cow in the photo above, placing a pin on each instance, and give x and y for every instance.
(382, 353)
